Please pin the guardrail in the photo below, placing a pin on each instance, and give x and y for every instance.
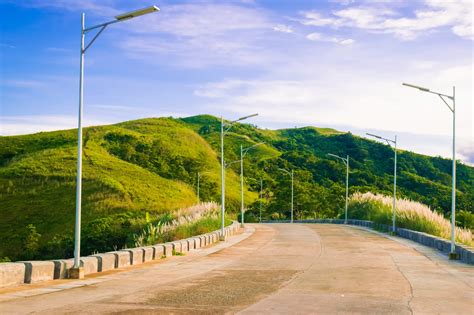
(466, 253)
(16, 273)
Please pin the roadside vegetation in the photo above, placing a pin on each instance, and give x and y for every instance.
(187, 222)
(151, 165)
(409, 214)
(121, 231)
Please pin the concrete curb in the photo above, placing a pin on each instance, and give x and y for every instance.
(12, 274)
(61, 268)
(37, 271)
(136, 255)
(105, 261)
(122, 258)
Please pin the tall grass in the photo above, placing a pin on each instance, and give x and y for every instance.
(184, 222)
(409, 214)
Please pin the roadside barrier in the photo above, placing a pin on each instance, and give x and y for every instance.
(26, 272)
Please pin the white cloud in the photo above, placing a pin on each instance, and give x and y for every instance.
(355, 99)
(342, 2)
(221, 34)
(457, 15)
(198, 19)
(314, 18)
(283, 28)
(323, 38)
(25, 124)
(98, 8)
(466, 152)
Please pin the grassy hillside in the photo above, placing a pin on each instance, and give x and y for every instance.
(319, 180)
(150, 165)
(132, 167)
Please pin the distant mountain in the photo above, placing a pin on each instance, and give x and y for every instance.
(152, 164)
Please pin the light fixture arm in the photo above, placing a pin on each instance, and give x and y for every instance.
(230, 163)
(94, 38)
(231, 123)
(246, 150)
(103, 25)
(441, 97)
(389, 141)
(338, 157)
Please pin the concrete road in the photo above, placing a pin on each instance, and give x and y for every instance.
(277, 269)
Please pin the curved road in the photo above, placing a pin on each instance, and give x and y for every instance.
(275, 268)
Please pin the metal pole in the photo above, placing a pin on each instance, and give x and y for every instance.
(222, 180)
(453, 193)
(198, 177)
(261, 187)
(241, 186)
(347, 187)
(77, 228)
(394, 188)
(292, 196)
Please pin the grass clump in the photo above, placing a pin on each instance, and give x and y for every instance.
(409, 214)
(187, 222)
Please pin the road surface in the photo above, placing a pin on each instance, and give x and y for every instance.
(273, 268)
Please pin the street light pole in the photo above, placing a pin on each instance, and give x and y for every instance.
(222, 181)
(76, 270)
(241, 186)
(223, 166)
(198, 179)
(394, 176)
(77, 228)
(394, 188)
(346, 162)
(261, 188)
(292, 194)
(347, 187)
(443, 97)
(243, 152)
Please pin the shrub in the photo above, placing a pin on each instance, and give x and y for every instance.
(409, 214)
(30, 242)
(185, 222)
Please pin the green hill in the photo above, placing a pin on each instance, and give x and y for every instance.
(150, 165)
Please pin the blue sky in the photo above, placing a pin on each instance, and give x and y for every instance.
(336, 63)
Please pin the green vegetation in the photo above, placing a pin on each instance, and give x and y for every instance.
(128, 169)
(409, 214)
(124, 230)
(319, 181)
(150, 165)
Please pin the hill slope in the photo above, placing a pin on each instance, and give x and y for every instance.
(319, 180)
(137, 166)
(151, 165)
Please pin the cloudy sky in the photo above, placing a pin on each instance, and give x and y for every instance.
(335, 63)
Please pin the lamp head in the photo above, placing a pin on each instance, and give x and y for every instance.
(416, 87)
(375, 136)
(245, 117)
(133, 14)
